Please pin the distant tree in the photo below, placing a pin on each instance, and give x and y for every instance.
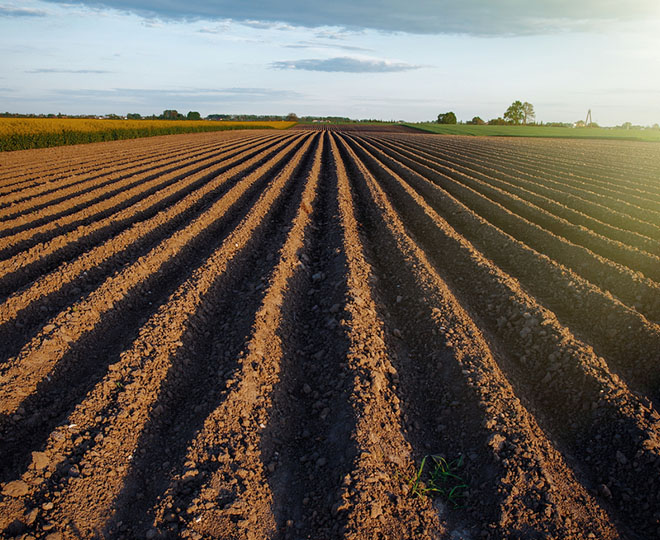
(626, 125)
(497, 122)
(292, 117)
(476, 121)
(528, 112)
(133, 116)
(655, 126)
(193, 115)
(171, 114)
(447, 118)
(514, 114)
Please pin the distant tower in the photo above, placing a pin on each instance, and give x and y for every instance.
(588, 121)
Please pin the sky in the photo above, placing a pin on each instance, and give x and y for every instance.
(385, 59)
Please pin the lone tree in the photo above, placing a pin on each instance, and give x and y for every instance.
(447, 118)
(514, 114)
(193, 115)
(528, 112)
(520, 113)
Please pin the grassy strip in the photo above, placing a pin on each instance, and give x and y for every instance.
(649, 135)
(27, 133)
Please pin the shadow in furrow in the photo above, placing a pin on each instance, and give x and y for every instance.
(602, 436)
(111, 188)
(195, 155)
(195, 385)
(311, 434)
(30, 320)
(81, 368)
(85, 220)
(442, 414)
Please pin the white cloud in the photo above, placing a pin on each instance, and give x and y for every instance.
(345, 64)
(475, 17)
(11, 11)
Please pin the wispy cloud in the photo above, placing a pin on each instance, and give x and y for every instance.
(68, 71)
(11, 11)
(217, 29)
(318, 45)
(265, 25)
(475, 17)
(345, 64)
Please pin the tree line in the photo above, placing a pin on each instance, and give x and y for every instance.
(518, 113)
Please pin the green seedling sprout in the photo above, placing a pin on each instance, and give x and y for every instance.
(442, 481)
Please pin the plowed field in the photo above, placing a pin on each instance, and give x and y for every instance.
(262, 334)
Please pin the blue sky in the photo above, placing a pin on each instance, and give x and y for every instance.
(385, 59)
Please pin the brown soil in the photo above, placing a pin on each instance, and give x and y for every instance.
(258, 335)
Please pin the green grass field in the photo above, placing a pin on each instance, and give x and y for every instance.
(651, 135)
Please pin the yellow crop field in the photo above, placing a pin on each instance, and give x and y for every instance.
(25, 133)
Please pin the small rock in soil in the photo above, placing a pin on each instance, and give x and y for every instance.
(40, 460)
(31, 517)
(605, 491)
(496, 442)
(376, 511)
(17, 488)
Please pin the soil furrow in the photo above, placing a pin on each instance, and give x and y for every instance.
(578, 218)
(589, 187)
(105, 197)
(31, 201)
(458, 403)
(310, 433)
(633, 290)
(227, 492)
(58, 173)
(628, 341)
(284, 336)
(80, 368)
(581, 159)
(375, 495)
(194, 188)
(11, 245)
(169, 338)
(622, 215)
(573, 394)
(93, 161)
(21, 376)
(23, 311)
(521, 203)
